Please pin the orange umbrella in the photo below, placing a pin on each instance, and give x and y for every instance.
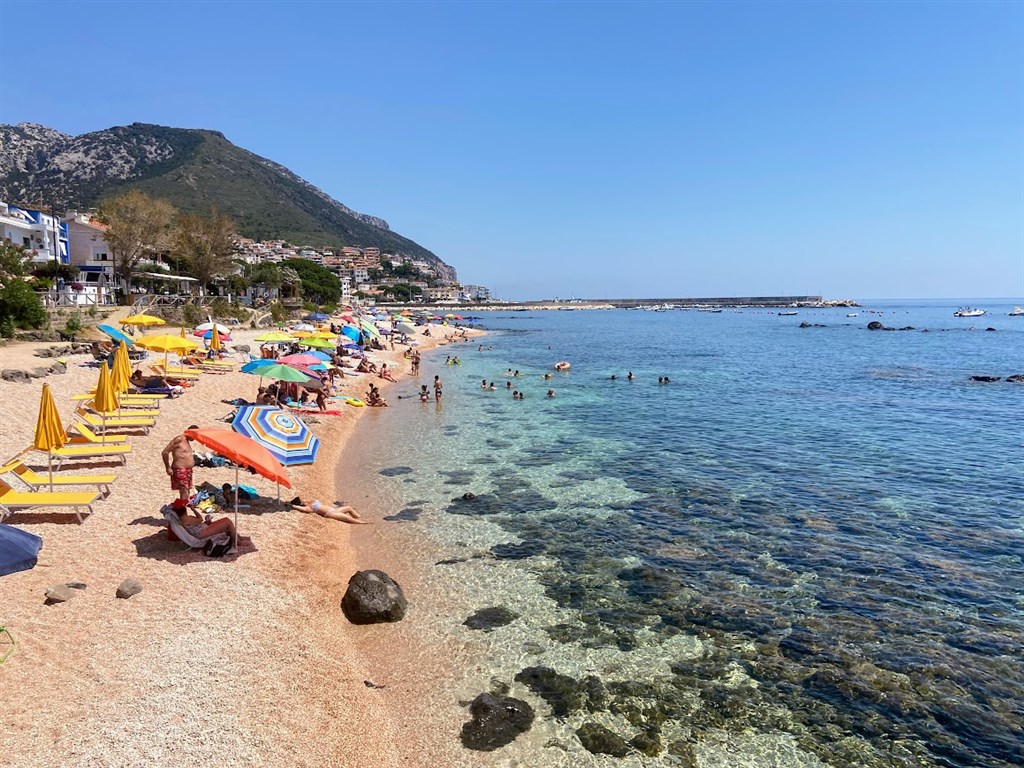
(244, 452)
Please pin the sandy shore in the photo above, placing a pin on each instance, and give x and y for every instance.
(242, 661)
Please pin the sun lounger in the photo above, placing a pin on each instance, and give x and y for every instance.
(115, 422)
(136, 413)
(37, 482)
(90, 451)
(11, 500)
(128, 401)
(86, 436)
(193, 542)
(174, 373)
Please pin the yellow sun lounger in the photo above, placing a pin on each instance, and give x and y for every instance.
(175, 373)
(37, 482)
(115, 422)
(11, 499)
(90, 451)
(128, 401)
(86, 436)
(136, 413)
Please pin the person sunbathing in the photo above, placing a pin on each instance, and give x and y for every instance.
(158, 383)
(385, 373)
(344, 514)
(205, 527)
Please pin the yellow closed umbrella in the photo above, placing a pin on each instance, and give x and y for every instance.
(50, 432)
(183, 334)
(104, 399)
(121, 373)
(215, 339)
(143, 319)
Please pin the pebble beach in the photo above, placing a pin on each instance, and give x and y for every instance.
(245, 660)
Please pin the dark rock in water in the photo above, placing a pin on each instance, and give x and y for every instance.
(395, 471)
(647, 743)
(410, 514)
(874, 325)
(518, 551)
(805, 324)
(985, 378)
(990, 329)
(59, 593)
(1017, 378)
(497, 721)
(468, 496)
(373, 597)
(489, 619)
(907, 328)
(563, 693)
(128, 587)
(599, 740)
(683, 752)
(597, 693)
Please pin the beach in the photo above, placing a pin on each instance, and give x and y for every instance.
(242, 661)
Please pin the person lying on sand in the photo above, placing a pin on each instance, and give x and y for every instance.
(344, 513)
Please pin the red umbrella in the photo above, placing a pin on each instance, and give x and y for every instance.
(300, 360)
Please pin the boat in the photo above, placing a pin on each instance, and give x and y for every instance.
(714, 310)
(787, 314)
(968, 312)
(1017, 312)
(852, 314)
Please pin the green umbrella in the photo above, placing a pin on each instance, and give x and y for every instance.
(279, 371)
(318, 343)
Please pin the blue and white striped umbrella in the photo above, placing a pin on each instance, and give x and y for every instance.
(282, 433)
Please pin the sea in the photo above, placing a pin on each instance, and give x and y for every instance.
(805, 548)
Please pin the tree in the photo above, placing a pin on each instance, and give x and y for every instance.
(319, 284)
(204, 244)
(137, 226)
(20, 307)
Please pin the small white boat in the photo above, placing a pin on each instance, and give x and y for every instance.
(852, 314)
(968, 312)
(787, 314)
(1017, 312)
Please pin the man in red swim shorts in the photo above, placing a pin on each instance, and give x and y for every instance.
(179, 462)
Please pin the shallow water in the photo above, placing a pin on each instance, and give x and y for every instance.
(807, 548)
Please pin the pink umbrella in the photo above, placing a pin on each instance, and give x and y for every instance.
(300, 359)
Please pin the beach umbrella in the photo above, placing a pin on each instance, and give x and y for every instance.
(215, 339)
(276, 371)
(115, 334)
(274, 336)
(369, 328)
(300, 335)
(104, 399)
(324, 335)
(323, 357)
(406, 328)
(285, 435)
(302, 358)
(243, 452)
(303, 327)
(50, 432)
(19, 550)
(183, 335)
(142, 320)
(316, 316)
(211, 326)
(166, 343)
(318, 343)
(351, 332)
(208, 335)
(121, 373)
(256, 365)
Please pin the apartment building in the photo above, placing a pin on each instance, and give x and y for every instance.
(44, 235)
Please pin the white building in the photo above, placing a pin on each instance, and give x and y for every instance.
(45, 236)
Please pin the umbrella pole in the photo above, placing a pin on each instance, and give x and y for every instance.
(49, 457)
(236, 504)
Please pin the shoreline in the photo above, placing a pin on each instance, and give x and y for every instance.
(168, 675)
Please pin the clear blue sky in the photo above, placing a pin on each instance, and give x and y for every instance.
(597, 149)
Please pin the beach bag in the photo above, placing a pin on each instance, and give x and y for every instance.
(217, 547)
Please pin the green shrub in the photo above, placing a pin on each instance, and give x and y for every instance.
(278, 312)
(92, 310)
(191, 314)
(73, 325)
(7, 328)
(20, 305)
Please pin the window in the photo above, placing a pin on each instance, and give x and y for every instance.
(26, 241)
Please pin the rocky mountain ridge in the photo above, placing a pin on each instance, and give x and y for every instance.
(195, 170)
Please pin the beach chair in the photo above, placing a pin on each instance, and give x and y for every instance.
(37, 482)
(179, 530)
(175, 373)
(11, 500)
(136, 413)
(86, 436)
(91, 451)
(115, 422)
(128, 401)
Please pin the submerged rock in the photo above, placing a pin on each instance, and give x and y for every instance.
(497, 721)
(599, 740)
(373, 597)
(489, 619)
(985, 378)
(563, 693)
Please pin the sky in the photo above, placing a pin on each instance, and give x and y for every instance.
(853, 150)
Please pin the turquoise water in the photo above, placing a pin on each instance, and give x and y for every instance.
(810, 543)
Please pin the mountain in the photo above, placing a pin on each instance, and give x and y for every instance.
(194, 170)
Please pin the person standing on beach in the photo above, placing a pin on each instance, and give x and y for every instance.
(179, 463)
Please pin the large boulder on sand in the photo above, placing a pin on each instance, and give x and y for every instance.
(373, 597)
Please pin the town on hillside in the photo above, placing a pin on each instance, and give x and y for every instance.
(75, 249)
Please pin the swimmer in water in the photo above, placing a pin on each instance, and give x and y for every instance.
(551, 393)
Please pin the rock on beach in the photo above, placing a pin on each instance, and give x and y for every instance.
(373, 597)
